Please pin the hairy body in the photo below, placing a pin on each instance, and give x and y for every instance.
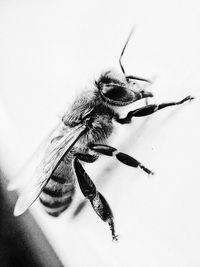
(59, 191)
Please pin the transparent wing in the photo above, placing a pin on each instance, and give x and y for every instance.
(59, 145)
(22, 176)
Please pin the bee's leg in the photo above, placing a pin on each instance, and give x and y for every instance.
(149, 109)
(124, 158)
(98, 202)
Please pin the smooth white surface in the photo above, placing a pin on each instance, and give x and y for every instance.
(51, 49)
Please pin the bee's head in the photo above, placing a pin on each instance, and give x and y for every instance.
(119, 90)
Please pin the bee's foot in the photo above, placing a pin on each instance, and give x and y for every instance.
(149, 172)
(115, 238)
(112, 228)
(187, 98)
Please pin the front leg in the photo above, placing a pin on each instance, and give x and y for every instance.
(149, 109)
(88, 188)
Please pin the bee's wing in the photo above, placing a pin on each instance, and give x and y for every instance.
(59, 145)
(20, 178)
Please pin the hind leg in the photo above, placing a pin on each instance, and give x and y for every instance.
(88, 188)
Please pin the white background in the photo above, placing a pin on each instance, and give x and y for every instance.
(49, 51)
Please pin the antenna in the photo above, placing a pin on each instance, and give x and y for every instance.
(120, 59)
(133, 77)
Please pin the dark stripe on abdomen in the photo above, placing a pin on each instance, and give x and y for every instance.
(57, 194)
(56, 203)
(56, 212)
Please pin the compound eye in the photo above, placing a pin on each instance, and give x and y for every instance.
(115, 93)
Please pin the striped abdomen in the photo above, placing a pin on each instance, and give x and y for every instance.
(58, 193)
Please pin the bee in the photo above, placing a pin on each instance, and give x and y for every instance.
(81, 137)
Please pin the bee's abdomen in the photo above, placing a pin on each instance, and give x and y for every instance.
(57, 195)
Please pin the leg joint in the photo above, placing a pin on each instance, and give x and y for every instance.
(86, 157)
